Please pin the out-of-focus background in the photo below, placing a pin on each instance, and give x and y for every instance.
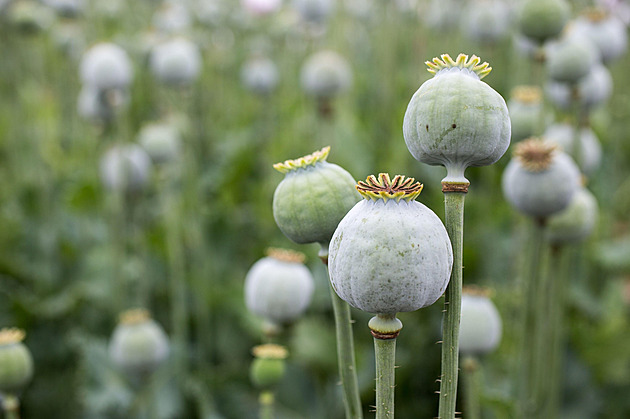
(137, 140)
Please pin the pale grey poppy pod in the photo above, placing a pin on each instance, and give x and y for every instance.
(481, 327)
(587, 152)
(540, 180)
(390, 253)
(138, 345)
(456, 120)
(592, 90)
(525, 106)
(176, 62)
(314, 10)
(101, 105)
(162, 141)
(607, 31)
(576, 222)
(125, 167)
(486, 21)
(279, 287)
(571, 58)
(106, 66)
(325, 74)
(260, 75)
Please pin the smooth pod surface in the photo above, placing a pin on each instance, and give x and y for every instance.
(541, 193)
(176, 62)
(587, 153)
(541, 20)
(388, 257)
(456, 120)
(481, 327)
(577, 221)
(139, 348)
(310, 201)
(277, 290)
(106, 66)
(16, 367)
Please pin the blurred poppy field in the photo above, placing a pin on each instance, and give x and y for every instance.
(137, 144)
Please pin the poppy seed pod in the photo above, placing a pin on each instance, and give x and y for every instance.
(138, 345)
(16, 363)
(279, 287)
(481, 327)
(172, 17)
(589, 148)
(486, 21)
(525, 106)
(260, 75)
(607, 31)
(576, 222)
(456, 120)
(106, 66)
(325, 74)
(176, 62)
(125, 167)
(316, 11)
(571, 58)
(540, 180)
(161, 141)
(390, 253)
(101, 105)
(312, 198)
(268, 366)
(590, 91)
(541, 20)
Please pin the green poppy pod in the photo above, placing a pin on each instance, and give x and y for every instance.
(268, 366)
(456, 120)
(540, 180)
(312, 198)
(390, 253)
(279, 287)
(576, 222)
(571, 58)
(541, 20)
(16, 363)
(481, 327)
(138, 345)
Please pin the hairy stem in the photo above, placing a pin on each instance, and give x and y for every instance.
(454, 216)
(385, 355)
(345, 351)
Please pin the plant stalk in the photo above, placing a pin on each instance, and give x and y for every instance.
(385, 329)
(10, 406)
(345, 350)
(471, 381)
(454, 217)
(266, 401)
(560, 276)
(533, 338)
